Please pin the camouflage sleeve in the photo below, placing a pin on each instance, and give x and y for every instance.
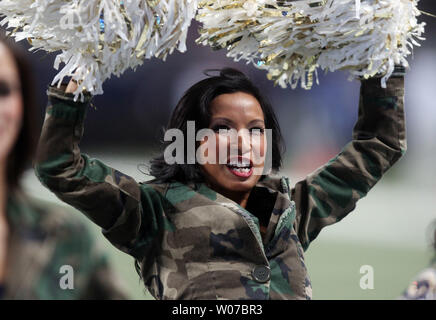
(109, 198)
(378, 141)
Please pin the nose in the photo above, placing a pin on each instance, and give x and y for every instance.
(241, 144)
(244, 141)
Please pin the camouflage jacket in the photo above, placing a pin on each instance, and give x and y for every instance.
(51, 255)
(194, 243)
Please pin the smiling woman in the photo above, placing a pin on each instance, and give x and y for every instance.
(225, 103)
(221, 229)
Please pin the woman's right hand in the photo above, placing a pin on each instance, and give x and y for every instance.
(72, 86)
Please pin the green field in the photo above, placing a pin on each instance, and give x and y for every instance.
(334, 268)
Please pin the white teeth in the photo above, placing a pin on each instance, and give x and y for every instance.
(239, 164)
(244, 170)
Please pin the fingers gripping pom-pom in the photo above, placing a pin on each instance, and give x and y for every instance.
(291, 40)
(99, 38)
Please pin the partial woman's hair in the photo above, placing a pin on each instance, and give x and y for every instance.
(22, 152)
(195, 106)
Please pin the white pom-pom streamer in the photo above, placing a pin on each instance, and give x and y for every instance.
(99, 38)
(292, 39)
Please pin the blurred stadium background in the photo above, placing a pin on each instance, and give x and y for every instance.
(390, 228)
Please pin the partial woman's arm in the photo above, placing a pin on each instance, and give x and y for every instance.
(109, 198)
(378, 141)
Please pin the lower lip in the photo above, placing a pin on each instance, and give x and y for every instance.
(240, 173)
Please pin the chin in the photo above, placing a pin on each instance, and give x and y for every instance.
(239, 184)
(243, 186)
(224, 179)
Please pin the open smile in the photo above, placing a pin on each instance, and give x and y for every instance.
(240, 167)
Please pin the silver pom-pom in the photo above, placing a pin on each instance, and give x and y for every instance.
(99, 38)
(293, 39)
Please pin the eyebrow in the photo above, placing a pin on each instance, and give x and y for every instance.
(257, 121)
(226, 120)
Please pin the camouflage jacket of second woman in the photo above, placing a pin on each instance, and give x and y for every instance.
(193, 243)
(52, 255)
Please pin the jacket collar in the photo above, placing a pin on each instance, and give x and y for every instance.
(198, 194)
(274, 184)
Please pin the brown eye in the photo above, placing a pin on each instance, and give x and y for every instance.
(219, 127)
(257, 130)
(5, 89)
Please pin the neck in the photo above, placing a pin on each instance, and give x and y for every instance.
(240, 198)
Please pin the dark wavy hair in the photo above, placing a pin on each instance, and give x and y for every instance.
(22, 152)
(195, 106)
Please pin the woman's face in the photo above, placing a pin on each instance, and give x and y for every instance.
(11, 104)
(241, 156)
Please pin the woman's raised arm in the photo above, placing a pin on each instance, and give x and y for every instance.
(112, 200)
(378, 141)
